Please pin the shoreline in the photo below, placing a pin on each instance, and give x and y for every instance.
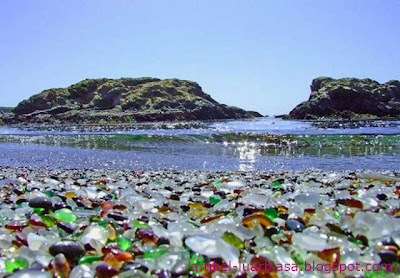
(84, 222)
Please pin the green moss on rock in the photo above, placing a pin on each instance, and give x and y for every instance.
(122, 100)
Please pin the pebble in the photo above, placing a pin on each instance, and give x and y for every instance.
(115, 223)
(72, 250)
(41, 202)
(65, 215)
(295, 225)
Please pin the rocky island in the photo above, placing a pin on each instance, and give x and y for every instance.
(350, 98)
(124, 100)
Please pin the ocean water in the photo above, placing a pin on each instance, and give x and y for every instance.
(246, 145)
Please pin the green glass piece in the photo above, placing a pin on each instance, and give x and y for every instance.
(49, 193)
(336, 215)
(15, 264)
(198, 260)
(356, 241)
(104, 222)
(296, 256)
(94, 218)
(49, 221)
(373, 274)
(89, 259)
(140, 224)
(218, 182)
(276, 183)
(124, 242)
(155, 253)
(271, 213)
(65, 215)
(215, 199)
(38, 210)
(233, 240)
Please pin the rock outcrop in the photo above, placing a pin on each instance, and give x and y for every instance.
(123, 100)
(350, 98)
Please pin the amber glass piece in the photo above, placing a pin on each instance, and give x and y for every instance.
(102, 181)
(112, 261)
(211, 218)
(248, 221)
(353, 203)
(331, 255)
(119, 207)
(389, 247)
(69, 194)
(306, 217)
(282, 209)
(61, 266)
(164, 209)
(122, 256)
(287, 239)
(197, 210)
(34, 222)
(106, 206)
(395, 212)
(14, 227)
(17, 243)
(112, 233)
(265, 268)
(147, 235)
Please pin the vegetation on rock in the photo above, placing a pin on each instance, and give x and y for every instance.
(123, 100)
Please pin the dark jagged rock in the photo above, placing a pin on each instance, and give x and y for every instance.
(350, 98)
(123, 100)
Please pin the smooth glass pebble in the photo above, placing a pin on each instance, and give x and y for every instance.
(249, 220)
(271, 213)
(124, 242)
(276, 184)
(82, 271)
(61, 266)
(35, 241)
(233, 240)
(94, 232)
(41, 202)
(15, 264)
(34, 274)
(331, 255)
(65, 215)
(89, 259)
(140, 224)
(215, 199)
(263, 272)
(203, 244)
(295, 225)
(307, 198)
(310, 241)
(105, 271)
(155, 253)
(49, 221)
(197, 259)
(72, 250)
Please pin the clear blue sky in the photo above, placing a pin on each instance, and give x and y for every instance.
(259, 55)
